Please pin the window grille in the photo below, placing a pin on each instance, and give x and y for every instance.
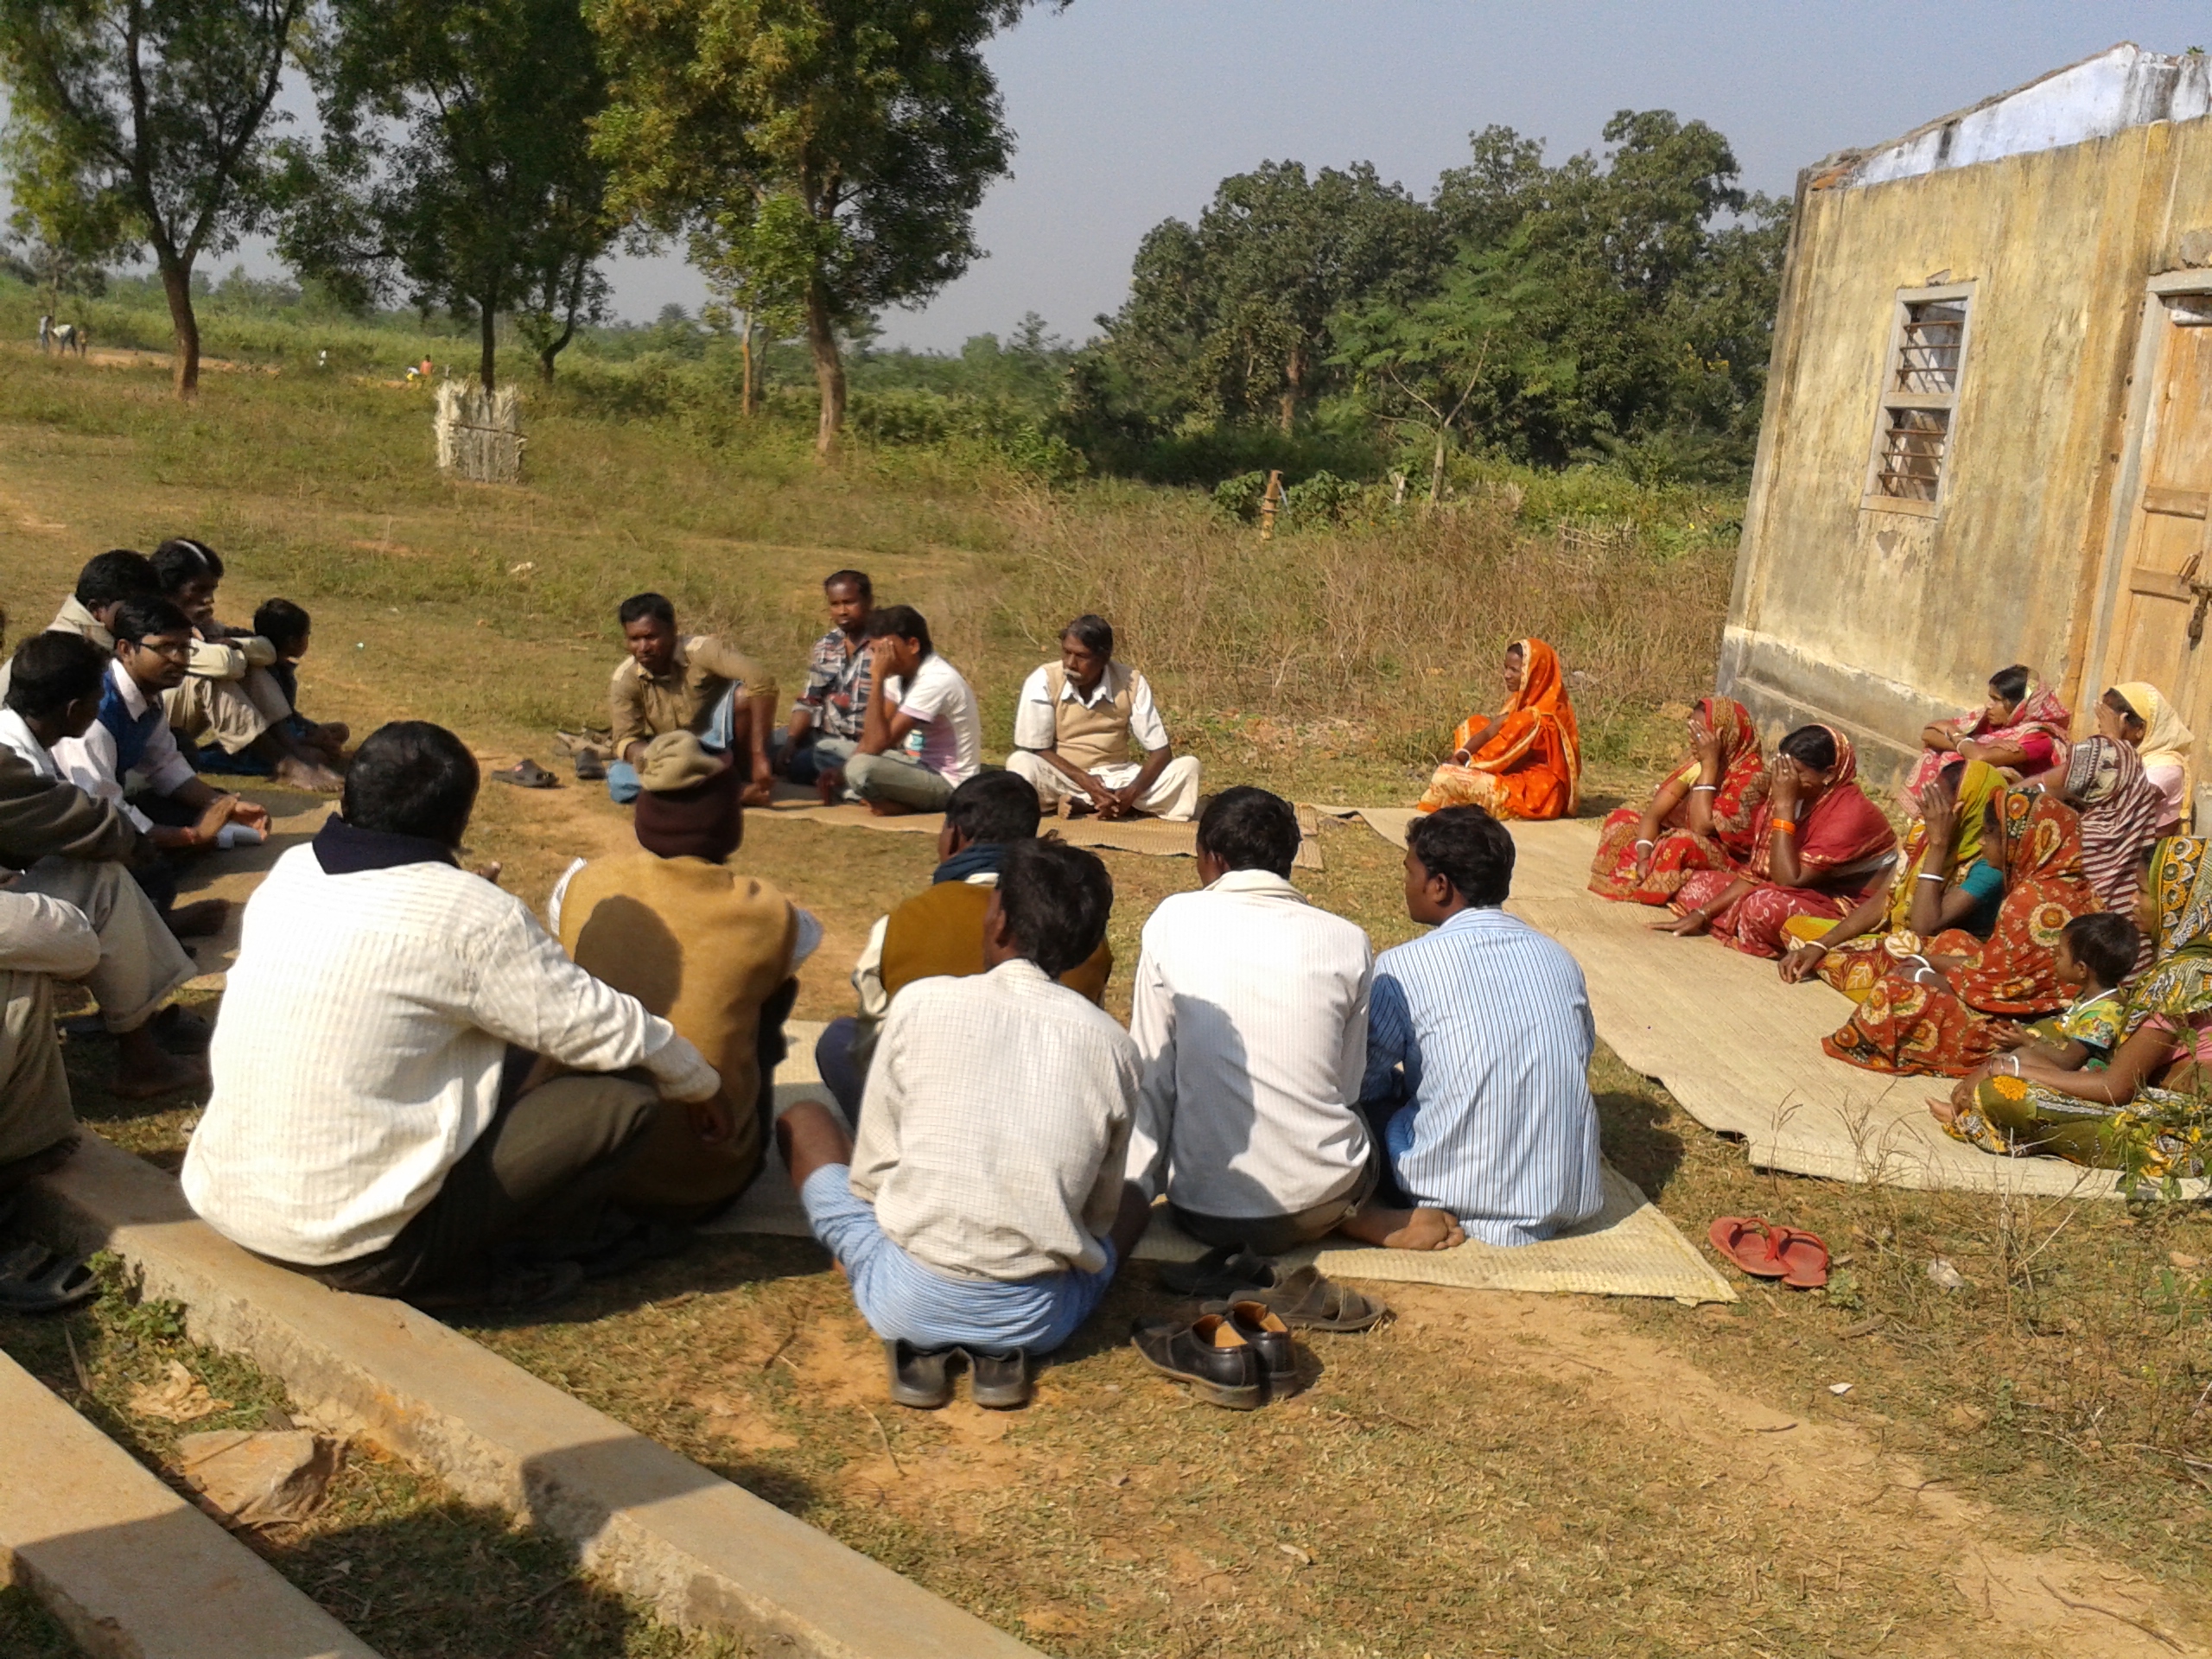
(1920, 389)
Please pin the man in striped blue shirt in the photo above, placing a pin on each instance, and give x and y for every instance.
(1479, 1043)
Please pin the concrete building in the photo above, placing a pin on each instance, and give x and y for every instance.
(1988, 429)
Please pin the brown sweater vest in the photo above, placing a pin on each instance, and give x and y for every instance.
(941, 932)
(703, 947)
(1086, 736)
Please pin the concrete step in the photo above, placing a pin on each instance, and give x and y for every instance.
(131, 1569)
(704, 1553)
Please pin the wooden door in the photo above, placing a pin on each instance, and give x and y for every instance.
(2166, 565)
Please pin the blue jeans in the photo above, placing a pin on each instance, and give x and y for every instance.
(904, 1301)
(812, 755)
(718, 737)
(833, 1060)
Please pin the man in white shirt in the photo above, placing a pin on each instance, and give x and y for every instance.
(130, 735)
(1250, 1011)
(922, 736)
(410, 1073)
(1074, 724)
(53, 693)
(983, 1207)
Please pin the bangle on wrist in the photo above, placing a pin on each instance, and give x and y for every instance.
(1783, 826)
(1925, 876)
(1705, 789)
(1645, 840)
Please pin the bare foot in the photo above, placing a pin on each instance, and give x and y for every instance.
(199, 920)
(828, 786)
(166, 1074)
(759, 792)
(1941, 1110)
(1684, 927)
(295, 773)
(1404, 1230)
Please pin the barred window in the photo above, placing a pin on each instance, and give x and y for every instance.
(1919, 390)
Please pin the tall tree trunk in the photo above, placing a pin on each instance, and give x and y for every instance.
(829, 371)
(749, 400)
(545, 358)
(1293, 375)
(184, 326)
(488, 332)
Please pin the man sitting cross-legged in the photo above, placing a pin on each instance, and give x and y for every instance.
(1073, 727)
(922, 737)
(832, 707)
(983, 1207)
(696, 683)
(712, 951)
(940, 930)
(410, 1077)
(76, 886)
(1479, 1045)
(1250, 1010)
(177, 812)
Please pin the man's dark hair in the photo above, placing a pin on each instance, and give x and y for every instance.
(1056, 899)
(850, 579)
(181, 560)
(1469, 848)
(280, 622)
(1811, 746)
(1093, 633)
(2106, 943)
(904, 622)
(2011, 683)
(150, 613)
(994, 806)
(411, 778)
(1247, 828)
(52, 670)
(639, 607)
(117, 574)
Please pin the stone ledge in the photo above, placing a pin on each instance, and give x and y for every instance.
(131, 1569)
(704, 1553)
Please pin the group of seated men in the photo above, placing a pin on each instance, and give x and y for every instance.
(885, 719)
(420, 1091)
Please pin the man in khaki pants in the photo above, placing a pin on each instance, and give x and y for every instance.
(1073, 729)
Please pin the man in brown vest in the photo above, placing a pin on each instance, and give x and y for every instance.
(1073, 729)
(711, 952)
(939, 932)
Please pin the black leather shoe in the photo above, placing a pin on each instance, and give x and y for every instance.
(1262, 1327)
(1209, 1353)
(920, 1377)
(999, 1382)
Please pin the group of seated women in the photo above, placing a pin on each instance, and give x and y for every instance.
(2043, 933)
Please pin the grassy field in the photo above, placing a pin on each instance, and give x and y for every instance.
(1489, 1473)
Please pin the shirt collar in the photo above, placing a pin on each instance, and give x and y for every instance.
(1102, 692)
(1474, 916)
(134, 698)
(1261, 881)
(344, 849)
(18, 736)
(1020, 967)
(676, 664)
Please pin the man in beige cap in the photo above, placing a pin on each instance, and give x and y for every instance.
(711, 952)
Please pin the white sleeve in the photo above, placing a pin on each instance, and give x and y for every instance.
(876, 1147)
(1351, 1060)
(89, 762)
(868, 972)
(167, 771)
(1146, 726)
(41, 934)
(1035, 726)
(1152, 1025)
(924, 701)
(560, 892)
(809, 935)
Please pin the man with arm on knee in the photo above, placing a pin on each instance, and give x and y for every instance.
(412, 1079)
(828, 718)
(1074, 724)
(922, 738)
(696, 683)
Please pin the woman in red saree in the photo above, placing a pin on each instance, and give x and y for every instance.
(1940, 1010)
(1526, 761)
(2020, 730)
(1698, 819)
(1818, 844)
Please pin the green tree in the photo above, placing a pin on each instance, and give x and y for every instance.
(140, 124)
(825, 158)
(456, 160)
(1230, 318)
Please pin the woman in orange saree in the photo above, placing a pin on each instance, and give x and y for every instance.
(1698, 819)
(1524, 762)
(1939, 1010)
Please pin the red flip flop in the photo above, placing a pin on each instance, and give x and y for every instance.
(1803, 1257)
(1749, 1243)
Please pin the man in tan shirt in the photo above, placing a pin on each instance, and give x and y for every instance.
(699, 683)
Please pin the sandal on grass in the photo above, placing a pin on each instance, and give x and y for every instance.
(1310, 1299)
(34, 1279)
(1803, 1257)
(526, 774)
(1750, 1243)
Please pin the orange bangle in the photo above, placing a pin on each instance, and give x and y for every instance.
(1787, 826)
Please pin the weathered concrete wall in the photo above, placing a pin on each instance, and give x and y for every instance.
(1879, 620)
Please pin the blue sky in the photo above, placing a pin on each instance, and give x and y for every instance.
(1130, 111)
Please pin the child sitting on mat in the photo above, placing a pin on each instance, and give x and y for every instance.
(288, 629)
(2094, 954)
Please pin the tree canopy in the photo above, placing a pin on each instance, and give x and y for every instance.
(456, 159)
(141, 124)
(824, 158)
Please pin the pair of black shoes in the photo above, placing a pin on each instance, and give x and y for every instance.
(1239, 1355)
(922, 1377)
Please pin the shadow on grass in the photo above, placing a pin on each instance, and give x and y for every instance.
(1632, 1130)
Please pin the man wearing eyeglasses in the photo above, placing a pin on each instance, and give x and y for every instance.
(177, 812)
